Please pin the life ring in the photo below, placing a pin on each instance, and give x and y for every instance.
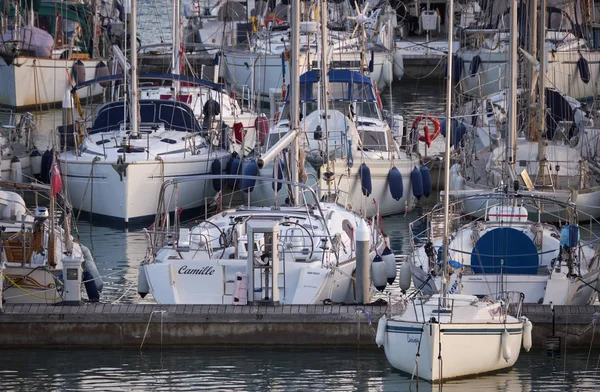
(273, 19)
(427, 137)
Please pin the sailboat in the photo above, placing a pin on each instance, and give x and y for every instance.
(260, 65)
(116, 170)
(303, 253)
(351, 152)
(39, 63)
(572, 51)
(34, 244)
(548, 162)
(451, 335)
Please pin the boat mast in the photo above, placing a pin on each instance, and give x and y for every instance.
(133, 91)
(325, 82)
(542, 92)
(450, 11)
(511, 141)
(176, 45)
(294, 96)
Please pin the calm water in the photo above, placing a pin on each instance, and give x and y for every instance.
(270, 370)
(118, 253)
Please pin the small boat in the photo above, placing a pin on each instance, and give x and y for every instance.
(40, 62)
(117, 167)
(506, 251)
(34, 245)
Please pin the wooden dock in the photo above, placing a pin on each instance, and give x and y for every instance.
(105, 325)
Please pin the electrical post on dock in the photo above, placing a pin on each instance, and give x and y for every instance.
(363, 262)
(72, 280)
(263, 263)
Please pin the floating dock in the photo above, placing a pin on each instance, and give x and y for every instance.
(105, 325)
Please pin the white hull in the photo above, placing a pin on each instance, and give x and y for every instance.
(31, 82)
(467, 349)
(134, 196)
(562, 73)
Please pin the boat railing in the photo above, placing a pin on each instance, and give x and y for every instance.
(162, 225)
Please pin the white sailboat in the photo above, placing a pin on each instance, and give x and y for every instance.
(38, 64)
(299, 254)
(34, 245)
(116, 170)
(573, 59)
(552, 157)
(505, 251)
(352, 155)
(260, 65)
(449, 335)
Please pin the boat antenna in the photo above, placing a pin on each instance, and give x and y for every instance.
(450, 16)
(294, 97)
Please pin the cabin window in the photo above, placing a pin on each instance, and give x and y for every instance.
(373, 140)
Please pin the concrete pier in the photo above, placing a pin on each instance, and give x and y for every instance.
(104, 325)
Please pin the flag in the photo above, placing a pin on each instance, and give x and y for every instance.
(55, 180)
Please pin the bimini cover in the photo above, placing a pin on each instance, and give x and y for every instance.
(505, 250)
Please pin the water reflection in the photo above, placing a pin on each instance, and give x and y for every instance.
(270, 370)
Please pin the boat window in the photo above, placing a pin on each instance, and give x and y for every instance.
(362, 92)
(308, 91)
(274, 138)
(373, 140)
(367, 109)
(338, 90)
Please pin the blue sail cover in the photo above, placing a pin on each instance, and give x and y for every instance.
(505, 250)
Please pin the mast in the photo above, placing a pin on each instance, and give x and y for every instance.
(134, 76)
(511, 141)
(294, 95)
(542, 92)
(176, 45)
(325, 79)
(450, 10)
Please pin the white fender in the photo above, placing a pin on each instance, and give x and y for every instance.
(405, 276)
(527, 340)
(505, 347)
(380, 337)
(398, 68)
(90, 266)
(143, 286)
(390, 264)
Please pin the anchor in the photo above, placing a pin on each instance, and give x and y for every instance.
(120, 167)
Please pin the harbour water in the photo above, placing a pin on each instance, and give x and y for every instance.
(224, 369)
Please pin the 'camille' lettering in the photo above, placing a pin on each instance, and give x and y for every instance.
(208, 270)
